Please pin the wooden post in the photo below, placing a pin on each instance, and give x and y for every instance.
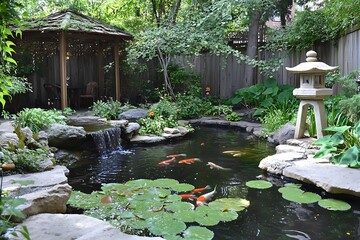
(63, 86)
(100, 61)
(117, 72)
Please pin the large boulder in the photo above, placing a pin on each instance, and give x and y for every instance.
(133, 114)
(8, 137)
(282, 135)
(64, 136)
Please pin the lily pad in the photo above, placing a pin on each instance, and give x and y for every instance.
(186, 216)
(290, 190)
(182, 187)
(258, 184)
(164, 183)
(225, 204)
(227, 216)
(164, 225)
(294, 185)
(334, 204)
(199, 233)
(179, 206)
(301, 197)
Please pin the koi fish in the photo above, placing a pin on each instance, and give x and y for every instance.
(203, 199)
(167, 162)
(200, 190)
(176, 155)
(189, 160)
(187, 196)
(234, 153)
(215, 166)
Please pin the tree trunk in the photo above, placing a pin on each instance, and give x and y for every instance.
(164, 62)
(251, 48)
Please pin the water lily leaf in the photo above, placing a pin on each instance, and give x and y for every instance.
(304, 197)
(199, 233)
(115, 187)
(173, 198)
(179, 206)
(225, 204)
(139, 183)
(227, 216)
(84, 200)
(258, 184)
(294, 185)
(290, 190)
(186, 215)
(165, 225)
(164, 183)
(153, 194)
(334, 204)
(136, 223)
(183, 187)
(207, 216)
(172, 237)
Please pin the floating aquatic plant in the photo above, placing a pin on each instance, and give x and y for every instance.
(258, 184)
(154, 207)
(334, 204)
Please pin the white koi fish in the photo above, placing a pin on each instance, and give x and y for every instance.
(205, 197)
(215, 166)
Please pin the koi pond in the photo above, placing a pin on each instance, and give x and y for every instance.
(268, 215)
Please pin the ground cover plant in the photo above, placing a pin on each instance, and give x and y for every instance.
(153, 207)
(109, 108)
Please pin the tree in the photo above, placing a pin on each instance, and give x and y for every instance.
(7, 15)
(200, 29)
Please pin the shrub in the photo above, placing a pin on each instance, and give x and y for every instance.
(190, 106)
(184, 81)
(275, 118)
(219, 110)
(165, 108)
(233, 116)
(108, 109)
(351, 108)
(156, 124)
(38, 119)
(347, 83)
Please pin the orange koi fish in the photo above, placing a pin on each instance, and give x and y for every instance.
(215, 166)
(187, 196)
(190, 161)
(167, 162)
(203, 199)
(200, 190)
(176, 155)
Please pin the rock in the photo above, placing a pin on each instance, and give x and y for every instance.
(46, 200)
(119, 123)
(146, 139)
(64, 136)
(282, 135)
(183, 130)
(8, 137)
(277, 163)
(130, 131)
(337, 179)
(171, 130)
(133, 114)
(73, 226)
(14, 184)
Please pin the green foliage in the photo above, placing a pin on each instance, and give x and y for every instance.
(154, 206)
(275, 118)
(348, 84)
(156, 125)
(258, 184)
(184, 81)
(343, 143)
(262, 96)
(334, 204)
(108, 109)
(38, 119)
(219, 110)
(165, 108)
(351, 108)
(189, 106)
(335, 114)
(233, 116)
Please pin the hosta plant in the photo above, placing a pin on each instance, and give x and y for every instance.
(343, 143)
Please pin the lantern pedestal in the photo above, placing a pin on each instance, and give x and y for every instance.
(320, 117)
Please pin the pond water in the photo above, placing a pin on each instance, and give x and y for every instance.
(269, 216)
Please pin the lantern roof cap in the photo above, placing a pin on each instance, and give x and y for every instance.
(312, 65)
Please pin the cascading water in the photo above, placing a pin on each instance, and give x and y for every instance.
(107, 140)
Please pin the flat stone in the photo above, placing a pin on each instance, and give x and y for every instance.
(332, 178)
(277, 163)
(146, 139)
(73, 226)
(35, 181)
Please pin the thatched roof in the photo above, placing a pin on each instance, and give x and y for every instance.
(72, 21)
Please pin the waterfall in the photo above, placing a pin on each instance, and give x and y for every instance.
(107, 140)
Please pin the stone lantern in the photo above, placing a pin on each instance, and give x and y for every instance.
(312, 92)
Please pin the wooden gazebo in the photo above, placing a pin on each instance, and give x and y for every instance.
(65, 34)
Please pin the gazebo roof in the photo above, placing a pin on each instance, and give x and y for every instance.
(71, 21)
